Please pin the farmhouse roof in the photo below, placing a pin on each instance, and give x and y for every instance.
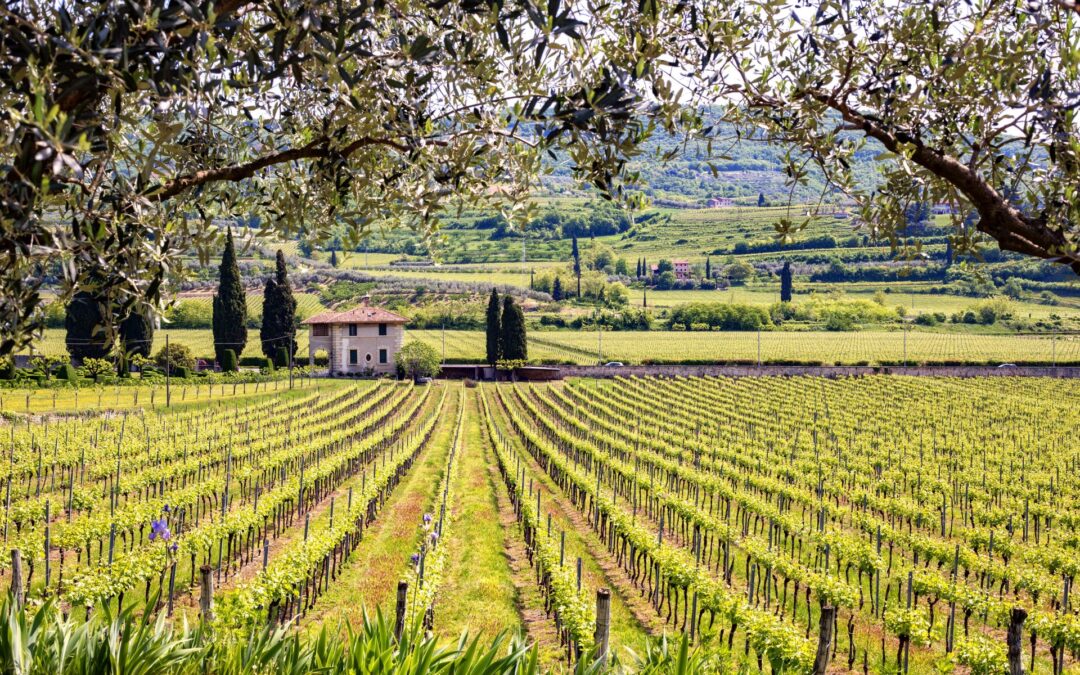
(362, 314)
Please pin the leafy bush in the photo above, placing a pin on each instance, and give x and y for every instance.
(175, 356)
(96, 368)
(417, 359)
(228, 361)
(190, 314)
(67, 372)
(718, 315)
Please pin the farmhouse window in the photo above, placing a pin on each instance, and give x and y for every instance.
(352, 330)
(353, 360)
(382, 356)
(320, 330)
(382, 329)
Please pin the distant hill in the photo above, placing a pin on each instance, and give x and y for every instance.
(746, 169)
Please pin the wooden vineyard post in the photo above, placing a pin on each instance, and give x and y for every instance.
(399, 610)
(16, 576)
(1015, 640)
(206, 597)
(172, 586)
(603, 623)
(825, 632)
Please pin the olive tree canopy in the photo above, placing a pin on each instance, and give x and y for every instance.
(129, 127)
(970, 103)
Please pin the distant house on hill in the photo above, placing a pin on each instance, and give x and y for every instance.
(358, 341)
(720, 202)
(942, 209)
(680, 267)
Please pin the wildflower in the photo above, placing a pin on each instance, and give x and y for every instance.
(174, 548)
(434, 538)
(159, 528)
(415, 557)
(165, 508)
(427, 518)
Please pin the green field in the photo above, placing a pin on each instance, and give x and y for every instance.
(861, 347)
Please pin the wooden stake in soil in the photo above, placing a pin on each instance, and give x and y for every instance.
(603, 623)
(206, 598)
(399, 610)
(16, 576)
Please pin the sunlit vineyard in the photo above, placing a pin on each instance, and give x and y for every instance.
(914, 518)
(922, 516)
(846, 348)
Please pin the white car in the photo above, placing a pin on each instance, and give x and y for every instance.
(613, 364)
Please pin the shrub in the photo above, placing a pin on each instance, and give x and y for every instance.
(7, 369)
(95, 368)
(67, 372)
(175, 356)
(228, 361)
(281, 358)
(417, 359)
(181, 372)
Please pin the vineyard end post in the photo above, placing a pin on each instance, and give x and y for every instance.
(206, 598)
(16, 576)
(399, 610)
(603, 623)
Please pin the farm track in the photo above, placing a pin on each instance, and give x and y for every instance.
(538, 626)
(368, 579)
(487, 603)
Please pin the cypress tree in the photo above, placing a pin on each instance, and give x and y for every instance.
(761, 199)
(333, 257)
(645, 271)
(87, 335)
(514, 341)
(556, 290)
(230, 305)
(278, 329)
(137, 334)
(785, 282)
(494, 328)
(577, 264)
(708, 268)
(644, 296)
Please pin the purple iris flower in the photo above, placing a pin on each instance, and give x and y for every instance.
(174, 548)
(415, 557)
(427, 518)
(434, 538)
(165, 508)
(159, 528)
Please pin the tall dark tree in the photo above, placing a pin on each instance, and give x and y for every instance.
(785, 282)
(556, 289)
(514, 340)
(230, 305)
(761, 199)
(137, 333)
(87, 334)
(333, 257)
(644, 296)
(494, 328)
(948, 252)
(577, 263)
(645, 271)
(278, 329)
(708, 268)
(638, 273)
